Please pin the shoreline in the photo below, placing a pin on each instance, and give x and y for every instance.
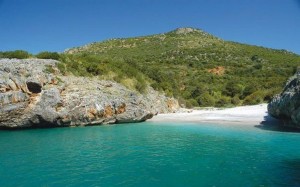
(243, 115)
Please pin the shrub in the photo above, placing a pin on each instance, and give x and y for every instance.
(48, 55)
(191, 103)
(93, 69)
(270, 94)
(255, 98)
(236, 100)
(232, 88)
(256, 58)
(19, 54)
(206, 100)
(258, 66)
(249, 90)
(223, 101)
(62, 68)
(49, 69)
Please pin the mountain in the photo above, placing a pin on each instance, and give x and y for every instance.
(195, 67)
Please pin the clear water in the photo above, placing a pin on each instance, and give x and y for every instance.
(150, 154)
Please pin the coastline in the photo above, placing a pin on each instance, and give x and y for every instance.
(243, 115)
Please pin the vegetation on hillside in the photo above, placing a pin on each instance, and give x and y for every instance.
(105, 68)
(200, 69)
(191, 65)
(48, 55)
(19, 54)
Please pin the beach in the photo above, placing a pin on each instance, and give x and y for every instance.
(244, 115)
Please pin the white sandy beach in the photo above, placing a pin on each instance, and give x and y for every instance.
(245, 115)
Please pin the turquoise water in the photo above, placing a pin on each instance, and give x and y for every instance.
(150, 154)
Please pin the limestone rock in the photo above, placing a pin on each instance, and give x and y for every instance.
(286, 106)
(186, 30)
(32, 97)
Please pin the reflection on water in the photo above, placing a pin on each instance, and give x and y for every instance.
(273, 124)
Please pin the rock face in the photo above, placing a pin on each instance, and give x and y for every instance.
(33, 93)
(186, 30)
(286, 106)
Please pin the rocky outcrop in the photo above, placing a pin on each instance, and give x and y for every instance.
(286, 106)
(33, 93)
(186, 30)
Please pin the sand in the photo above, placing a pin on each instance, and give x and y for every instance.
(245, 115)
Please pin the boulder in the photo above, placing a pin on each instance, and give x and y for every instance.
(286, 106)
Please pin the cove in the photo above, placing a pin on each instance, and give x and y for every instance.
(150, 154)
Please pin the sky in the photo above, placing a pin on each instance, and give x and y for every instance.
(55, 25)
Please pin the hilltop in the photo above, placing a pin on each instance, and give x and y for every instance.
(196, 67)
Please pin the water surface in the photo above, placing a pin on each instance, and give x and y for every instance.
(150, 154)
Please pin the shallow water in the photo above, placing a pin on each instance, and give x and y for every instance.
(150, 154)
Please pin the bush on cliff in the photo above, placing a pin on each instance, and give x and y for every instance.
(105, 68)
(19, 54)
(48, 55)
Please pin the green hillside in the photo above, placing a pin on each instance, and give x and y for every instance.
(189, 64)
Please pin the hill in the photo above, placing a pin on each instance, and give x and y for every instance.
(197, 68)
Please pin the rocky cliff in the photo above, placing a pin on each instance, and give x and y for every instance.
(286, 106)
(33, 93)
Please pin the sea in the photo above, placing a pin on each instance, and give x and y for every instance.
(151, 154)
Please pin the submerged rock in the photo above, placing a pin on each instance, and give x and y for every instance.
(31, 96)
(286, 106)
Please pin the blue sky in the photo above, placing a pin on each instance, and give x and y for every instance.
(54, 25)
